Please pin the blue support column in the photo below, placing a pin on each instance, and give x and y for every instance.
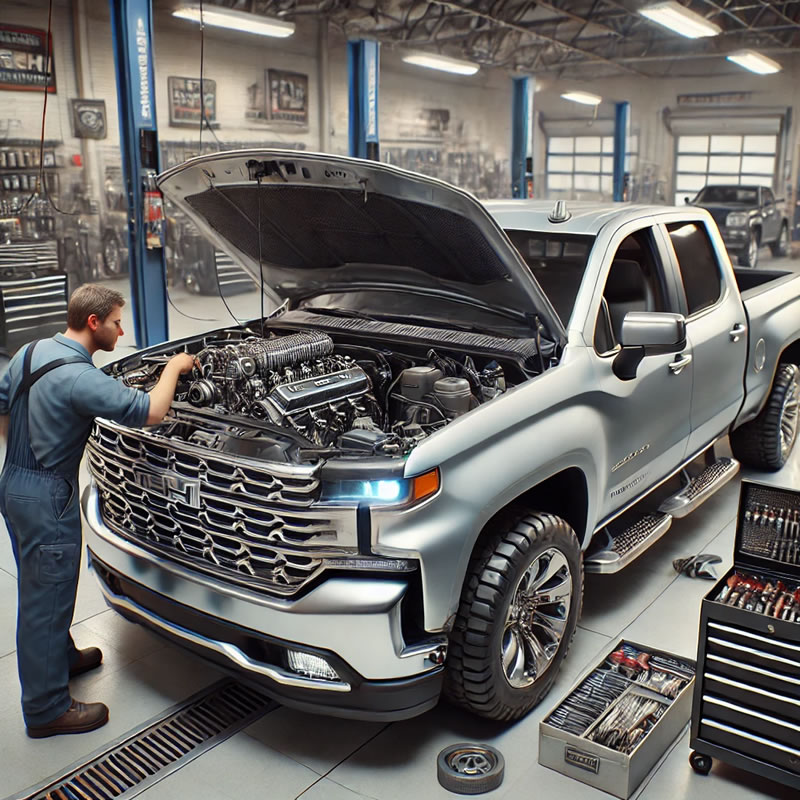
(622, 114)
(131, 25)
(363, 68)
(520, 136)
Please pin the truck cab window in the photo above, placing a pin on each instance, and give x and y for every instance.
(697, 263)
(635, 282)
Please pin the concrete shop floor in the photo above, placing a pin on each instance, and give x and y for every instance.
(289, 754)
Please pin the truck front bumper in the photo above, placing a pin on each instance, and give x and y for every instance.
(735, 239)
(352, 625)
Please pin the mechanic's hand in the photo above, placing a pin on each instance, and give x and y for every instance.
(183, 361)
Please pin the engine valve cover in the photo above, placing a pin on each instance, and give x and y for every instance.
(313, 392)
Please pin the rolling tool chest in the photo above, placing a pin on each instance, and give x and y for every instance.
(746, 709)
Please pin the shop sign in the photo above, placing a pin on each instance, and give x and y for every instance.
(714, 98)
(23, 59)
(89, 118)
(288, 96)
(184, 101)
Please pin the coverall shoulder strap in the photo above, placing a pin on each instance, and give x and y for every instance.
(29, 378)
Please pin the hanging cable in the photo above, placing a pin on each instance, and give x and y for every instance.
(202, 93)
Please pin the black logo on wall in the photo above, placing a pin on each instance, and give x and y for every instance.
(23, 59)
(89, 119)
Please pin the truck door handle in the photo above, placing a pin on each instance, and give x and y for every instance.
(737, 331)
(676, 367)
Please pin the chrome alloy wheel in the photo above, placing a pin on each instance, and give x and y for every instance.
(471, 761)
(789, 413)
(752, 254)
(537, 618)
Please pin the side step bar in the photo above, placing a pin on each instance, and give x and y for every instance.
(616, 552)
(700, 488)
(610, 553)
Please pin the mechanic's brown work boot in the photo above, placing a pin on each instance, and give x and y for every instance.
(78, 718)
(88, 659)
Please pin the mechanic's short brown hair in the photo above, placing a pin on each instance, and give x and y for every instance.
(91, 299)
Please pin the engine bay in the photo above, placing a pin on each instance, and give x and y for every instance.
(344, 396)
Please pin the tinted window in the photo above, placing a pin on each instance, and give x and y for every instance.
(728, 194)
(769, 199)
(698, 264)
(557, 261)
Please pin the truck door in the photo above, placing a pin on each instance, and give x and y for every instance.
(647, 418)
(772, 219)
(716, 329)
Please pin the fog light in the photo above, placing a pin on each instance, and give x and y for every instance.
(312, 666)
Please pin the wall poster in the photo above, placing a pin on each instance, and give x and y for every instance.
(23, 59)
(184, 101)
(89, 118)
(288, 96)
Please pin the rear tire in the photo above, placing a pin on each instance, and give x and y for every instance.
(517, 616)
(766, 441)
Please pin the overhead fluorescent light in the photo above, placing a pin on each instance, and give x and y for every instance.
(443, 63)
(755, 62)
(681, 20)
(236, 20)
(583, 97)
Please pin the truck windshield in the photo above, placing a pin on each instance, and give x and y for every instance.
(728, 194)
(557, 261)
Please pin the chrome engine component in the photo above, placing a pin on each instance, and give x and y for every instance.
(295, 380)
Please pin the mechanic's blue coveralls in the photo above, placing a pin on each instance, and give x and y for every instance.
(48, 429)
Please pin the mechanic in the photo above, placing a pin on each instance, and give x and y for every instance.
(52, 392)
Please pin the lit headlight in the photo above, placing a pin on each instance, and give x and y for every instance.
(390, 492)
(736, 220)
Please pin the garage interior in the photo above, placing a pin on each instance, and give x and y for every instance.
(591, 100)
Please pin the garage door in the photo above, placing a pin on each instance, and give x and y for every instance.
(582, 167)
(723, 158)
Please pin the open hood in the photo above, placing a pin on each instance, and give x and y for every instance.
(322, 224)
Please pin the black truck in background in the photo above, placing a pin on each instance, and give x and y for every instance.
(748, 217)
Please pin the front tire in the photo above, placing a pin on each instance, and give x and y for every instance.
(749, 257)
(517, 616)
(780, 248)
(766, 441)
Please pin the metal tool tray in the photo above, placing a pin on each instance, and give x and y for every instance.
(603, 767)
(746, 705)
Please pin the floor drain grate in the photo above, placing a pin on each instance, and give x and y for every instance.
(143, 757)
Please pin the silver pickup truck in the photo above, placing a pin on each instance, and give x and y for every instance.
(391, 486)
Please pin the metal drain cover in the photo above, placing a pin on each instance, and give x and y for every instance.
(142, 757)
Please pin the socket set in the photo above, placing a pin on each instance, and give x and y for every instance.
(763, 595)
(626, 668)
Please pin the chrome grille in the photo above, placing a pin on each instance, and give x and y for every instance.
(238, 518)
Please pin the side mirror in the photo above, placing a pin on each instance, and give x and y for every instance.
(648, 333)
(686, 200)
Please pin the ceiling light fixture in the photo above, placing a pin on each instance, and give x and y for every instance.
(755, 62)
(236, 20)
(583, 97)
(681, 20)
(443, 63)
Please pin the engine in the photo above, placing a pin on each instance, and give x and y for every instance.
(295, 381)
(354, 398)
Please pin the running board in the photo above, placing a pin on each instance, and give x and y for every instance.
(700, 488)
(616, 552)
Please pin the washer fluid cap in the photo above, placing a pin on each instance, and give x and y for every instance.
(560, 213)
